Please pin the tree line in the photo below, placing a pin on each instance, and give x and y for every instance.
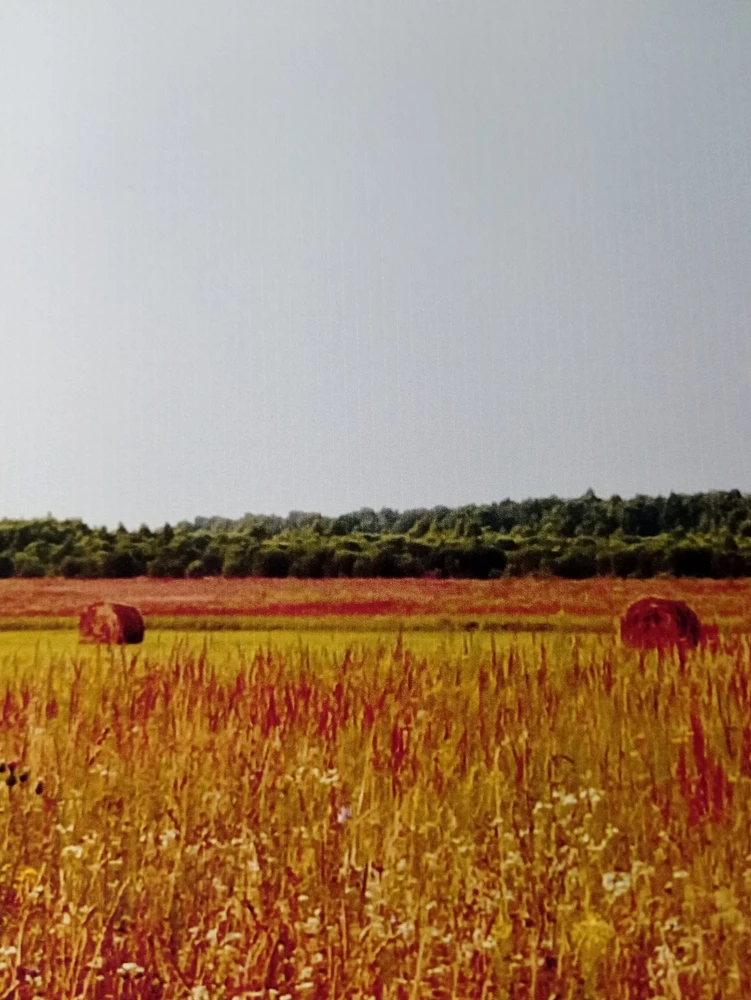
(699, 535)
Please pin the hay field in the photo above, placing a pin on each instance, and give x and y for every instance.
(187, 603)
(374, 814)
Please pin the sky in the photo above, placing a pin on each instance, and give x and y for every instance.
(264, 255)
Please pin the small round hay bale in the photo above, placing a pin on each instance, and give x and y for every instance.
(112, 624)
(658, 623)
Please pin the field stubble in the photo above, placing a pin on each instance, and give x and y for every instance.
(388, 816)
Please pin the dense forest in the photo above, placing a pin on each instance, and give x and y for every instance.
(699, 535)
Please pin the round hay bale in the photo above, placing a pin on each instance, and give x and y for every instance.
(658, 623)
(112, 624)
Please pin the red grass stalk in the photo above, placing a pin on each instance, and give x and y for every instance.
(746, 753)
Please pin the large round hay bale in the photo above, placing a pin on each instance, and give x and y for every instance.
(658, 623)
(113, 624)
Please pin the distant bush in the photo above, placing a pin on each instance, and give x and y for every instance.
(479, 561)
(690, 560)
(274, 563)
(728, 564)
(387, 563)
(576, 565)
(211, 564)
(238, 561)
(6, 567)
(26, 565)
(625, 562)
(166, 565)
(362, 566)
(532, 559)
(120, 564)
(507, 544)
(421, 527)
(308, 564)
(604, 562)
(350, 545)
(340, 563)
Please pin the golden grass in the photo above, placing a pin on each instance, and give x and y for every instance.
(389, 816)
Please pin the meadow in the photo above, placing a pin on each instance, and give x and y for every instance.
(374, 811)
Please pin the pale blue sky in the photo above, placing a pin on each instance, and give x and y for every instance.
(260, 255)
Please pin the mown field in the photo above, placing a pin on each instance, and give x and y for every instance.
(217, 603)
(369, 812)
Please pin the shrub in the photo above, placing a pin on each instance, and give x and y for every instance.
(507, 544)
(386, 563)
(272, 563)
(349, 545)
(238, 561)
(166, 564)
(362, 566)
(690, 560)
(340, 563)
(479, 561)
(26, 565)
(308, 564)
(211, 564)
(635, 561)
(121, 564)
(532, 559)
(727, 564)
(576, 565)
(605, 564)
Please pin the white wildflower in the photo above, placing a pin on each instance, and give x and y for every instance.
(130, 969)
(616, 883)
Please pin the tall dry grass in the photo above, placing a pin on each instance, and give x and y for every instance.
(527, 818)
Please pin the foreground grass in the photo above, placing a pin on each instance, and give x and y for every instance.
(487, 817)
